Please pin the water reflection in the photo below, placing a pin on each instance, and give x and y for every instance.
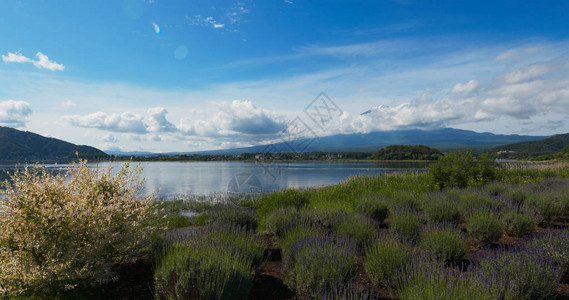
(174, 178)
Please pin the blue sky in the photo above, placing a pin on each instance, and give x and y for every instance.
(193, 75)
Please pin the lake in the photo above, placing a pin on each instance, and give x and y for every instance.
(204, 178)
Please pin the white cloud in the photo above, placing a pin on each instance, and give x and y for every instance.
(109, 138)
(67, 104)
(154, 121)
(198, 20)
(466, 88)
(43, 61)
(14, 113)
(519, 95)
(234, 119)
(529, 72)
(15, 57)
(288, 2)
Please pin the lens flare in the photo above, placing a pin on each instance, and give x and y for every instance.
(156, 28)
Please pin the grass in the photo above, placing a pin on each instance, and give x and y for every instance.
(322, 232)
(386, 258)
(318, 263)
(446, 243)
(220, 265)
(484, 228)
(406, 227)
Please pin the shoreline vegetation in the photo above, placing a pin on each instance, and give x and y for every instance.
(468, 228)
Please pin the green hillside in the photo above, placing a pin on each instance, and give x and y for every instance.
(407, 152)
(23, 146)
(550, 145)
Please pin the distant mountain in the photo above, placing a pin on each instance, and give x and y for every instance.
(130, 153)
(24, 146)
(443, 139)
(550, 145)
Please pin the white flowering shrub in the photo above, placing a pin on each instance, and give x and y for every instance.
(68, 228)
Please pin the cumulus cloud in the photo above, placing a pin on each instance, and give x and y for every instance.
(519, 94)
(15, 57)
(109, 138)
(154, 121)
(467, 87)
(527, 73)
(14, 113)
(42, 61)
(234, 118)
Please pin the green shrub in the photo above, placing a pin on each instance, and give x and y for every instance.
(518, 197)
(291, 237)
(404, 201)
(471, 202)
(518, 224)
(554, 245)
(220, 265)
(329, 217)
(283, 220)
(444, 243)
(461, 169)
(176, 220)
(385, 259)
(484, 228)
(427, 279)
(281, 199)
(548, 206)
(71, 227)
(320, 263)
(374, 208)
(518, 274)
(440, 208)
(359, 228)
(496, 188)
(406, 227)
(228, 215)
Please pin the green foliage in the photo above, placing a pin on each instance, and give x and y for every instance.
(386, 259)
(470, 202)
(177, 221)
(375, 208)
(441, 208)
(320, 263)
(328, 217)
(445, 243)
(286, 219)
(282, 199)
(67, 230)
(484, 228)
(406, 152)
(556, 247)
(18, 146)
(226, 214)
(404, 200)
(548, 206)
(461, 169)
(427, 279)
(518, 275)
(359, 228)
(296, 234)
(219, 266)
(406, 227)
(518, 224)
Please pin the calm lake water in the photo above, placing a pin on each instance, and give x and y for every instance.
(203, 178)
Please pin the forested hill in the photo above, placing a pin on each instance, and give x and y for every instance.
(550, 145)
(407, 152)
(24, 146)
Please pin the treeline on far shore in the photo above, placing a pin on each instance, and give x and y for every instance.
(394, 152)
